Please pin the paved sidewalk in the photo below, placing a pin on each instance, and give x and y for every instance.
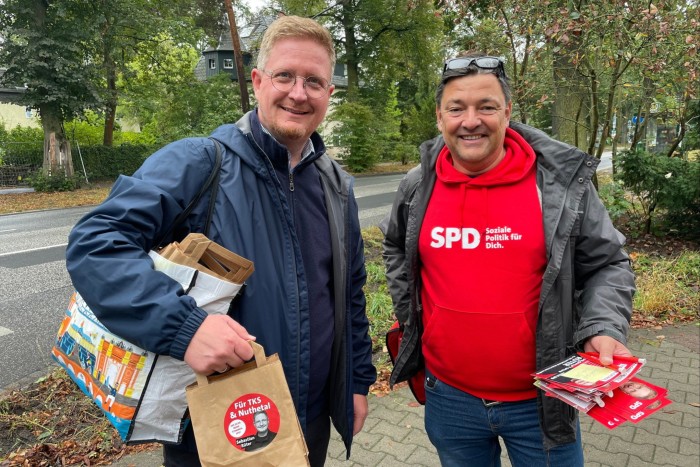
(394, 433)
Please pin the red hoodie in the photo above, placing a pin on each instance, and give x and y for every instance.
(483, 257)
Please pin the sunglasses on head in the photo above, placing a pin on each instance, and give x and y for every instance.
(485, 63)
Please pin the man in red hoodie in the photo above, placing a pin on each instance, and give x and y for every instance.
(501, 259)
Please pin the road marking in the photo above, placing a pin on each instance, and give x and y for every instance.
(7, 230)
(32, 249)
(5, 331)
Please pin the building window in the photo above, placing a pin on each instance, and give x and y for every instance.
(212, 64)
(228, 64)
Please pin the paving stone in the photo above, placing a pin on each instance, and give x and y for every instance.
(389, 461)
(667, 429)
(658, 365)
(597, 440)
(663, 358)
(365, 457)
(682, 365)
(396, 432)
(591, 454)
(643, 437)
(663, 456)
(690, 448)
(424, 457)
(400, 451)
(366, 439)
(674, 416)
(691, 420)
(418, 438)
(617, 445)
(661, 375)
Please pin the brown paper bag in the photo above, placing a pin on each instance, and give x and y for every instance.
(198, 252)
(229, 409)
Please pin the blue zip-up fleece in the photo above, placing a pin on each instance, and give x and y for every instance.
(255, 216)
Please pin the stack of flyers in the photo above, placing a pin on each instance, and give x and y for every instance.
(610, 394)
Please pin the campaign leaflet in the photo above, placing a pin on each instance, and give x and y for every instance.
(611, 394)
(584, 373)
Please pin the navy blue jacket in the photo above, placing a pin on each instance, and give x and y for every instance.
(108, 262)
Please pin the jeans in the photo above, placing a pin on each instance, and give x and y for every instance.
(465, 431)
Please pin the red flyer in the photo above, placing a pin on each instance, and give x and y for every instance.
(585, 373)
(610, 394)
(636, 400)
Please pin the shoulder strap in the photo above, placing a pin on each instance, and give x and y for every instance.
(214, 186)
(211, 182)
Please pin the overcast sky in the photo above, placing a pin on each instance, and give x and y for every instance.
(255, 5)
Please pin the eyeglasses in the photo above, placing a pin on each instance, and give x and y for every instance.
(284, 80)
(485, 63)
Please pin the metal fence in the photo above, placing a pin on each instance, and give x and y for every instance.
(18, 160)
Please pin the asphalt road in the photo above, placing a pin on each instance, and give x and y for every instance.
(35, 287)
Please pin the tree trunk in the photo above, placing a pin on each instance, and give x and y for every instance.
(681, 123)
(350, 50)
(568, 98)
(57, 150)
(245, 101)
(111, 103)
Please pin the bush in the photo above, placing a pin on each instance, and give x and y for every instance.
(357, 136)
(613, 195)
(25, 134)
(107, 163)
(54, 182)
(669, 184)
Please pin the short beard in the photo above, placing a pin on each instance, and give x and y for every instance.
(281, 132)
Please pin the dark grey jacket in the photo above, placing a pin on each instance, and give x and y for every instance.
(587, 286)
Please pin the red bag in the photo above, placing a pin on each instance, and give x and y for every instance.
(415, 382)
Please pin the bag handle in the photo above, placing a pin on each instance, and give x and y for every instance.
(259, 359)
(219, 260)
(211, 182)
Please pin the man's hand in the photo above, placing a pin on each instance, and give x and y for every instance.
(219, 344)
(361, 411)
(606, 346)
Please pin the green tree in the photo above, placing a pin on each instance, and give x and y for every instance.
(594, 52)
(130, 28)
(45, 47)
(385, 45)
(196, 109)
(356, 134)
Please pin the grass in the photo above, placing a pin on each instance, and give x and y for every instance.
(380, 311)
(668, 287)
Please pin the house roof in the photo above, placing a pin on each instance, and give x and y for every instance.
(250, 36)
(11, 94)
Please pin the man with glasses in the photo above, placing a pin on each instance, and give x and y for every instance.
(264, 435)
(501, 259)
(281, 202)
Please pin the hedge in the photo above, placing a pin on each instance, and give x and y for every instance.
(100, 162)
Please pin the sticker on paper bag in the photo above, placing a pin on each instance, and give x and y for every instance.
(252, 421)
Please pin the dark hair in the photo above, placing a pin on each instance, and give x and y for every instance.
(472, 69)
